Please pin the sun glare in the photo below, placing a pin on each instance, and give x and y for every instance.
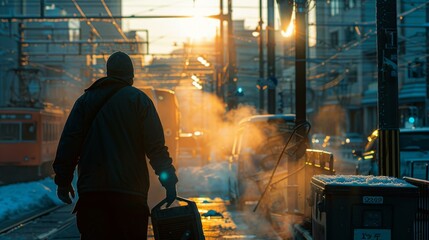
(198, 28)
(289, 30)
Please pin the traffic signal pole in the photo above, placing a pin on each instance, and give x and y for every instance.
(261, 61)
(271, 59)
(220, 56)
(388, 120)
(300, 62)
(232, 77)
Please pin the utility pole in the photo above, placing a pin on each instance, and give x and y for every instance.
(21, 57)
(271, 58)
(24, 74)
(300, 61)
(426, 110)
(24, 97)
(220, 56)
(42, 8)
(232, 78)
(387, 55)
(261, 81)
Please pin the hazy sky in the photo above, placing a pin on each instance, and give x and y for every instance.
(164, 33)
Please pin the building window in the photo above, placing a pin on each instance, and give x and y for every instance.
(334, 39)
(415, 69)
(334, 6)
(350, 34)
(348, 4)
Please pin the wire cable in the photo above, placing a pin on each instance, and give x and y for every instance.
(303, 124)
(121, 32)
(94, 30)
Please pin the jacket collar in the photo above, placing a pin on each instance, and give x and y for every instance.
(108, 81)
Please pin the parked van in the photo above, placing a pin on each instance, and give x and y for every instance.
(257, 146)
(413, 148)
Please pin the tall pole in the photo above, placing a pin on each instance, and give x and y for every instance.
(261, 61)
(20, 45)
(426, 110)
(220, 74)
(22, 78)
(388, 121)
(42, 8)
(271, 58)
(300, 62)
(232, 78)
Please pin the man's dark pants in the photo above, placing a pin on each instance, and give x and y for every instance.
(108, 215)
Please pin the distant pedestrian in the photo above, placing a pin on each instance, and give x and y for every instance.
(108, 134)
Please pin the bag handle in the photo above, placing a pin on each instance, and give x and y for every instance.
(159, 205)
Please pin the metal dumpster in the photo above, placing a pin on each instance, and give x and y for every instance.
(362, 207)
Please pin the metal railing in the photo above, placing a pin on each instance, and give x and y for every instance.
(421, 221)
(424, 165)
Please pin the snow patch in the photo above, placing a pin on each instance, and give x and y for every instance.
(209, 180)
(25, 197)
(354, 180)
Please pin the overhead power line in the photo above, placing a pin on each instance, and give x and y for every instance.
(114, 20)
(95, 18)
(87, 21)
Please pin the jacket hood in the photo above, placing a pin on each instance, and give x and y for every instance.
(119, 65)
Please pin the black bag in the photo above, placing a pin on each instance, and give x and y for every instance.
(177, 222)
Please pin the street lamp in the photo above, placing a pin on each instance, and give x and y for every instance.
(196, 82)
(256, 33)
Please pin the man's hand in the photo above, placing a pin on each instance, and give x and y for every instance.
(171, 194)
(64, 193)
(168, 180)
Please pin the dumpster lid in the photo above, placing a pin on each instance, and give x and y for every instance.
(359, 181)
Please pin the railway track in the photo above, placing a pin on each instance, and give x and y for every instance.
(40, 225)
(227, 223)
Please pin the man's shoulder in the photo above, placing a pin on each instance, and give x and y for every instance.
(137, 91)
(138, 94)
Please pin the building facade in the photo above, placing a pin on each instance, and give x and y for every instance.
(60, 55)
(342, 65)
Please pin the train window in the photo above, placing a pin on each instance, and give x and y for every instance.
(45, 132)
(9, 131)
(29, 132)
(50, 132)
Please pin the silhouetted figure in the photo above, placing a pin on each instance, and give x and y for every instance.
(108, 134)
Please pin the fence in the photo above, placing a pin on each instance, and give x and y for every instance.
(421, 221)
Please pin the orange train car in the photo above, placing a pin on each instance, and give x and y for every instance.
(28, 142)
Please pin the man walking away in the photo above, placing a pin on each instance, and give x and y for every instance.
(108, 134)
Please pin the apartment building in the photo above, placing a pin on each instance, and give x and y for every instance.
(342, 65)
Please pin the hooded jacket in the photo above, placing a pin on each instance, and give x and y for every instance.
(110, 145)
